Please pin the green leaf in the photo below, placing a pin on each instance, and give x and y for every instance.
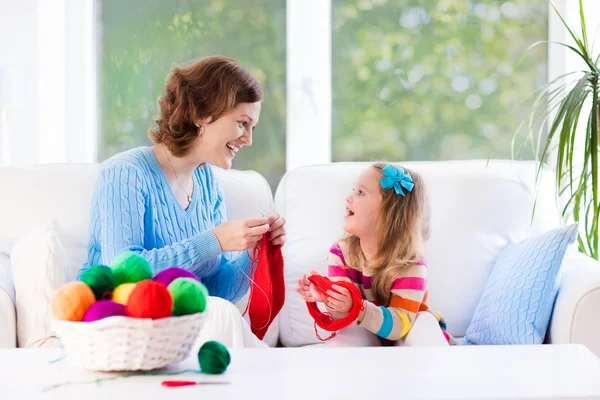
(545, 86)
(575, 38)
(566, 117)
(594, 155)
(582, 247)
(539, 101)
(582, 187)
(573, 104)
(583, 27)
(581, 53)
(571, 150)
(575, 97)
(548, 115)
(589, 233)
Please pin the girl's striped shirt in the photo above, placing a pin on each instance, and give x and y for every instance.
(409, 295)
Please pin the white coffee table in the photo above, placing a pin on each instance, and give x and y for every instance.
(494, 372)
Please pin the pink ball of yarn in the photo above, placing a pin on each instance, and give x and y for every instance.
(104, 309)
(170, 274)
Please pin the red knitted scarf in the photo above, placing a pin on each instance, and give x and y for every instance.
(267, 287)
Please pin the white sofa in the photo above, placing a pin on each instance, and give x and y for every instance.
(61, 194)
(477, 209)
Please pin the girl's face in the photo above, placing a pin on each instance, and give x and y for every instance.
(363, 205)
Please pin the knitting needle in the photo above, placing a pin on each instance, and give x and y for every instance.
(191, 383)
(265, 216)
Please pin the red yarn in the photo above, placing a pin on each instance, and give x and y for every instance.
(149, 299)
(267, 287)
(326, 320)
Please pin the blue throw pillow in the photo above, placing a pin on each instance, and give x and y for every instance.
(519, 295)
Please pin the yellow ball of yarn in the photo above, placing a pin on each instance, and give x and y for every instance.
(71, 301)
(122, 292)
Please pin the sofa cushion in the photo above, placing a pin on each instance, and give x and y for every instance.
(477, 209)
(519, 295)
(38, 264)
(58, 192)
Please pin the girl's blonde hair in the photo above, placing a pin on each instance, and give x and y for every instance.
(403, 224)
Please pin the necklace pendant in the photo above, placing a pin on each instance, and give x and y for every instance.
(189, 198)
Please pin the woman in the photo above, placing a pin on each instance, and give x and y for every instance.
(164, 202)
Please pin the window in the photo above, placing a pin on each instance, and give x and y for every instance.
(141, 40)
(433, 80)
(410, 79)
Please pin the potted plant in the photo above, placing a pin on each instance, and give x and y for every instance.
(564, 125)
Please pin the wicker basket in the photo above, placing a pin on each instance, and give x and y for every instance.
(129, 344)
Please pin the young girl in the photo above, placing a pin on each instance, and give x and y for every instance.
(387, 223)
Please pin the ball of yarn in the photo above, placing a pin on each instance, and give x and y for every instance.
(129, 267)
(327, 321)
(71, 301)
(170, 274)
(189, 296)
(213, 358)
(122, 292)
(100, 279)
(104, 309)
(149, 299)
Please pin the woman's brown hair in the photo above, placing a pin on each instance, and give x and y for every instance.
(205, 89)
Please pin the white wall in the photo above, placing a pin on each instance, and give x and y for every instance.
(47, 81)
(308, 71)
(18, 82)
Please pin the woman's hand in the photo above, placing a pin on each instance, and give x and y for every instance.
(241, 234)
(339, 299)
(277, 233)
(309, 291)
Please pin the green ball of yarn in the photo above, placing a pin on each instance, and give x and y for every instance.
(100, 279)
(189, 296)
(213, 358)
(129, 267)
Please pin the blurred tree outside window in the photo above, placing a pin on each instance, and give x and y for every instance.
(433, 79)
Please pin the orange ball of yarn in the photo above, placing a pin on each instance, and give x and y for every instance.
(71, 301)
(150, 299)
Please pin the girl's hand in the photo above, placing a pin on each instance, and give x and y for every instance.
(339, 299)
(309, 291)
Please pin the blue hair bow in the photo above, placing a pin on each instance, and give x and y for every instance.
(397, 178)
